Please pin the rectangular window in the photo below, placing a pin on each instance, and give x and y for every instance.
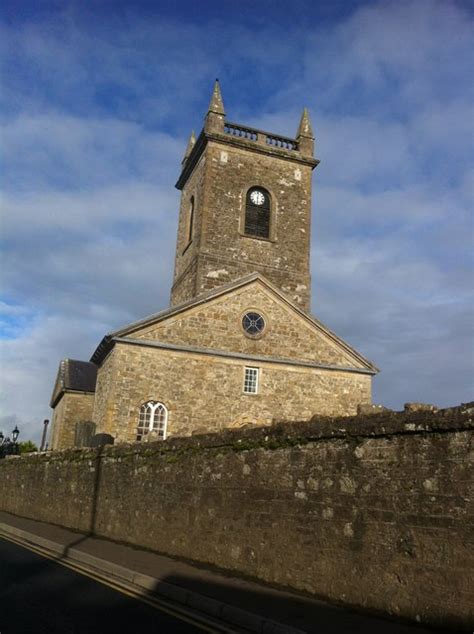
(191, 220)
(251, 380)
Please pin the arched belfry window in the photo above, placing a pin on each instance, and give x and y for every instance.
(257, 213)
(191, 219)
(153, 417)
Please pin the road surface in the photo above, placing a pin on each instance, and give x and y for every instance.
(40, 596)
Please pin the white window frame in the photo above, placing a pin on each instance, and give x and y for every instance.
(255, 373)
(152, 425)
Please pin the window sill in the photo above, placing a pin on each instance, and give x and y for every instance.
(251, 237)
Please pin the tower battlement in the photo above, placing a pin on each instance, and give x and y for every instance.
(245, 207)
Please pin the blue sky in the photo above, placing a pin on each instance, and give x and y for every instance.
(97, 102)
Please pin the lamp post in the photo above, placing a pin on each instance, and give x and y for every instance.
(9, 447)
(45, 432)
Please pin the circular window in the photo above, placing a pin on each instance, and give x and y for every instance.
(253, 324)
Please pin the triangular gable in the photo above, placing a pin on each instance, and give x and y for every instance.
(213, 321)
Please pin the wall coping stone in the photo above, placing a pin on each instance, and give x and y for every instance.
(282, 435)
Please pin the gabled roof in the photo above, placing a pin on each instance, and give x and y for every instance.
(74, 376)
(108, 341)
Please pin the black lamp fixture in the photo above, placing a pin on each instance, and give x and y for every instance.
(9, 447)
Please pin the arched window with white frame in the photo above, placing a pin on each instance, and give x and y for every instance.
(153, 417)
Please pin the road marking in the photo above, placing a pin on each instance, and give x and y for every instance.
(181, 612)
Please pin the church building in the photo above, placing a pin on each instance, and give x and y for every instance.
(238, 344)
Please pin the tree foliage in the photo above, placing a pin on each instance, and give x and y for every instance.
(27, 446)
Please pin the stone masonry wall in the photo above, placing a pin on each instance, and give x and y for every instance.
(105, 392)
(220, 180)
(214, 273)
(376, 512)
(185, 286)
(284, 259)
(133, 375)
(218, 325)
(185, 272)
(72, 408)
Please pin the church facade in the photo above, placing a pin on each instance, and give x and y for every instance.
(238, 344)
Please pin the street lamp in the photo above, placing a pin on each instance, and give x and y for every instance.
(9, 447)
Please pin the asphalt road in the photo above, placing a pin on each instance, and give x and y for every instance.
(40, 596)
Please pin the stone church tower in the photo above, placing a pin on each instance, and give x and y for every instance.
(237, 345)
(245, 207)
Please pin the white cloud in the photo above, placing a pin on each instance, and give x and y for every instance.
(29, 366)
(62, 152)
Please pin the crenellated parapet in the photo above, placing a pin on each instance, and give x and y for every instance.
(217, 128)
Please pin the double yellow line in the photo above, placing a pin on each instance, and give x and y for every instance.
(182, 613)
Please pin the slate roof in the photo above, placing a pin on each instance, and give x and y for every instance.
(74, 376)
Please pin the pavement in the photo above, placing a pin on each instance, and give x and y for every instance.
(244, 605)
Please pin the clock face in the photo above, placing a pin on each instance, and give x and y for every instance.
(257, 197)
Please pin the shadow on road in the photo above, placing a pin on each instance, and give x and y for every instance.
(38, 596)
(300, 612)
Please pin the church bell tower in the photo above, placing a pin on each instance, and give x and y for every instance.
(245, 208)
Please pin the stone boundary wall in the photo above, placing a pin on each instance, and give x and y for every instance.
(375, 511)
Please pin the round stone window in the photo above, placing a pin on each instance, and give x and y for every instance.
(253, 324)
